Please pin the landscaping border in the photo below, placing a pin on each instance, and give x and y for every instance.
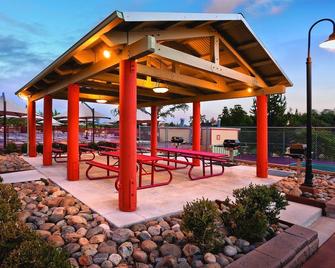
(288, 249)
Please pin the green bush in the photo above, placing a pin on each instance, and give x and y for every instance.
(9, 202)
(11, 148)
(254, 210)
(93, 145)
(201, 218)
(24, 147)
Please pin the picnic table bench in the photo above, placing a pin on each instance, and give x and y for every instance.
(59, 153)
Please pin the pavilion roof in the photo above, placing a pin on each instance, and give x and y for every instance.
(12, 109)
(198, 56)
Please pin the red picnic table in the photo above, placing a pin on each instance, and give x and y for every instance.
(142, 161)
(208, 159)
(59, 152)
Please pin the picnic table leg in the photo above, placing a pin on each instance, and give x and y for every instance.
(140, 175)
(152, 173)
(203, 166)
(108, 164)
(211, 166)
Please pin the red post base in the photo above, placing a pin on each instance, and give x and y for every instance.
(128, 135)
(31, 117)
(196, 126)
(47, 131)
(73, 133)
(154, 123)
(262, 136)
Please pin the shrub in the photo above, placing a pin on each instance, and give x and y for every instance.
(1, 179)
(201, 219)
(9, 202)
(39, 148)
(93, 145)
(24, 149)
(255, 208)
(11, 148)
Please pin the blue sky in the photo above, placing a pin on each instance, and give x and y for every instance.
(35, 32)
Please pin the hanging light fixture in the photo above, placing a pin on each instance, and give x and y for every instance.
(157, 88)
(101, 101)
(329, 43)
(107, 54)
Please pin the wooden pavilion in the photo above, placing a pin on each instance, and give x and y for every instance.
(195, 56)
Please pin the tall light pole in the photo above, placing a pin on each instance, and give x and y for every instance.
(329, 44)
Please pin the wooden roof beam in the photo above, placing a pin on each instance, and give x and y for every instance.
(247, 46)
(85, 56)
(221, 96)
(135, 50)
(189, 60)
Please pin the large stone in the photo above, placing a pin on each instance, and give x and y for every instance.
(169, 236)
(154, 230)
(190, 250)
(43, 234)
(71, 237)
(72, 247)
(115, 259)
(164, 225)
(126, 249)
(81, 231)
(295, 191)
(170, 249)
(56, 240)
(57, 214)
(73, 220)
(222, 260)
(89, 249)
(83, 241)
(140, 256)
(68, 201)
(72, 210)
(73, 262)
(138, 227)
(47, 226)
(144, 235)
(94, 231)
(96, 239)
(100, 258)
(209, 258)
(121, 235)
(167, 261)
(148, 246)
(23, 215)
(107, 264)
(85, 260)
(54, 202)
(229, 250)
(107, 247)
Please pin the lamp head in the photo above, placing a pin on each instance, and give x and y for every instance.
(329, 43)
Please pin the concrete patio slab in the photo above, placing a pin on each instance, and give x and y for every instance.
(21, 176)
(101, 196)
(325, 227)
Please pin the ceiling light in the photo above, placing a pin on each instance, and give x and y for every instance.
(107, 54)
(160, 90)
(24, 97)
(329, 43)
(249, 89)
(101, 101)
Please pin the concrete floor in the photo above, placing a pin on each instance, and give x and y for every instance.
(101, 196)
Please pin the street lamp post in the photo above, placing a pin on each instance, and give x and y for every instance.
(330, 44)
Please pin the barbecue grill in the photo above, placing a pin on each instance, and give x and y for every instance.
(231, 146)
(177, 141)
(297, 151)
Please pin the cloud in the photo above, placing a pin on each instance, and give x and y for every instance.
(253, 7)
(33, 28)
(16, 58)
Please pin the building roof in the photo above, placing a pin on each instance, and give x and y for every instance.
(198, 56)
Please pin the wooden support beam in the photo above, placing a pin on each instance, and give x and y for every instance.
(95, 97)
(85, 56)
(247, 46)
(221, 96)
(261, 63)
(135, 50)
(215, 50)
(204, 65)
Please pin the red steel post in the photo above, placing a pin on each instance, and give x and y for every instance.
(196, 130)
(128, 135)
(47, 131)
(73, 133)
(31, 117)
(154, 136)
(262, 136)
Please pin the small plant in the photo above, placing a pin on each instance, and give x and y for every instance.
(24, 149)
(9, 202)
(93, 145)
(201, 218)
(11, 148)
(39, 148)
(254, 210)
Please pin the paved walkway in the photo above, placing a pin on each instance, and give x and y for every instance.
(102, 197)
(324, 257)
(21, 176)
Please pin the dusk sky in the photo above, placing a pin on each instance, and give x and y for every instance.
(35, 32)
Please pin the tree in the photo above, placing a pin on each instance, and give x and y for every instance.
(235, 116)
(276, 110)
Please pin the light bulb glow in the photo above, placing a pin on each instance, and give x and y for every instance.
(101, 101)
(249, 89)
(160, 90)
(107, 54)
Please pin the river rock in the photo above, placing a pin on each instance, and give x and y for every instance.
(55, 240)
(140, 256)
(94, 231)
(75, 219)
(170, 249)
(209, 258)
(107, 247)
(229, 250)
(126, 249)
(154, 230)
(148, 246)
(96, 239)
(115, 259)
(100, 258)
(190, 250)
(72, 247)
(121, 235)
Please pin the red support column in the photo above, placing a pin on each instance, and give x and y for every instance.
(73, 133)
(47, 131)
(154, 123)
(128, 134)
(262, 136)
(196, 130)
(31, 122)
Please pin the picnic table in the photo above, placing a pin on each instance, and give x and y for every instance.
(60, 152)
(142, 161)
(208, 160)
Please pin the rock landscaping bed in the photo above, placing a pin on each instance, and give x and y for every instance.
(63, 221)
(324, 187)
(13, 162)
